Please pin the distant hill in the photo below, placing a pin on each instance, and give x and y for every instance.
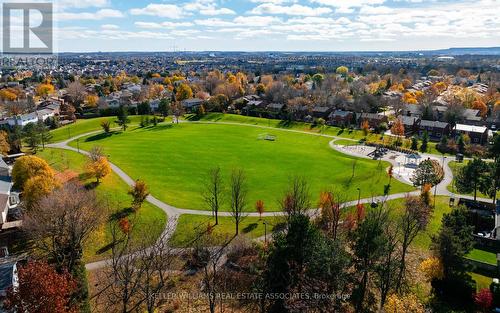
(465, 51)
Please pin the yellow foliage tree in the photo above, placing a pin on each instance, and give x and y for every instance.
(4, 143)
(30, 166)
(407, 304)
(91, 100)
(342, 70)
(43, 90)
(432, 268)
(184, 92)
(37, 187)
(7, 95)
(409, 98)
(99, 168)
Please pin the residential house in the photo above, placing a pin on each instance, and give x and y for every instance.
(374, 119)
(341, 118)
(472, 117)
(276, 110)
(477, 134)
(191, 105)
(321, 112)
(410, 123)
(8, 199)
(435, 129)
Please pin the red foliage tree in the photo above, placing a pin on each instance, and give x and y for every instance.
(42, 290)
(124, 225)
(259, 207)
(484, 299)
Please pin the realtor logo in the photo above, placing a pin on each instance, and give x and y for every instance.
(27, 28)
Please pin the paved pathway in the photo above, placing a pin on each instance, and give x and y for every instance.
(173, 213)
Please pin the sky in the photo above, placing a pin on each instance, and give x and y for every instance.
(274, 25)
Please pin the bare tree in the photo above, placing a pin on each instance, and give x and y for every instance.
(76, 91)
(212, 194)
(414, 220)
(139, 271)
(297, 199)
(95, 153)
(61, 222)
(238, 197)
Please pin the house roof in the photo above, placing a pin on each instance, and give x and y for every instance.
(434, 124)
(471, 128)
(340, 113)
(319, 109)
(374, 116)
(408, 120)
(6, 275)
(277, 106)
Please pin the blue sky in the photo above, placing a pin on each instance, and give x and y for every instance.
(286, 25)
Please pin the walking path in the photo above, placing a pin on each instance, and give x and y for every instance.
(173, 213)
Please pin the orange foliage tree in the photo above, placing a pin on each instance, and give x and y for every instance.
(139, 194)
(259, 207)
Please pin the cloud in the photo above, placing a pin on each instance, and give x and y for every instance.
(152, 25)
(110, 26)
(161, 10)
(98, 15)
(347, 3)
(214, 11)
(295, 9)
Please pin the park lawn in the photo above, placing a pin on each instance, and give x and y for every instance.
(174, 161)
(308, 127)
(346, 142)
(190, 228)
(292, 125)
(483, 256)
(112, 191)
(455, 167)
(482, 282)
(83, 126)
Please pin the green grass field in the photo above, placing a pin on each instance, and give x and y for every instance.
(113, 193)
(87, 125)
(191, 227)
(174, 161)
(483, 256)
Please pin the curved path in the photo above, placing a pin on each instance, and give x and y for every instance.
(173, 213)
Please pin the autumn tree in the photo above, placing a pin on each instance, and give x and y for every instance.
(331, 205)
(398, 129)
(99, 168)
(139, 271)
(297, 198)
(27, 167)
(408, 303)
(259, 207)
(139, 193)
(45, 89)
(61, 222)
(106, 126)
(42, 290)
(412, 222)
(4, 143)
(91, 100)
(238, 197)
(365, 126)
(213, 191)
(184, 92)
(342, 70)
(36, 188)
(77, 93)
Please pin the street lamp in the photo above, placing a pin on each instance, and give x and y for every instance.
(265, 232)
(359, 195)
